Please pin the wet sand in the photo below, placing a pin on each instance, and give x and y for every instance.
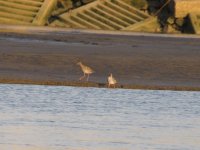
(138, 61)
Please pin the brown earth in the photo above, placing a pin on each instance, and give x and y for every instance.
(143, 61)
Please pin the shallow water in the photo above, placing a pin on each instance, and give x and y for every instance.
(62, 118)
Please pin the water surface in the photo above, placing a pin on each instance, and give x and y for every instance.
(62, 118)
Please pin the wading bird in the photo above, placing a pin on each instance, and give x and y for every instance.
(111, 81)
(86, 71)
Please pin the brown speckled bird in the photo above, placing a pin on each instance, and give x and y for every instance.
(86, 71)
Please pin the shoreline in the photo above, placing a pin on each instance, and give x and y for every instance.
(96, 85)
(31, 30)
(138, 61)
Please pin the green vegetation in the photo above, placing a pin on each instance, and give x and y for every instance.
(140, 4)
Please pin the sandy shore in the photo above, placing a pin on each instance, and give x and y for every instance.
(139, 61)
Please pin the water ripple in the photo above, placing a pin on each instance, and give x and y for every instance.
(59, 118)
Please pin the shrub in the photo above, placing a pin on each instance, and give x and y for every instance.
(139, 3)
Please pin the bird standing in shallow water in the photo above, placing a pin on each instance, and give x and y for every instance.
(111, 81)
(86, 71)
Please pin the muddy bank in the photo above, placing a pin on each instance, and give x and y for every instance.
(136, 60)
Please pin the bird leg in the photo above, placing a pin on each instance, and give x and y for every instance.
(88, 77)
(108, 85)
(111, 86)
(82, 77)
